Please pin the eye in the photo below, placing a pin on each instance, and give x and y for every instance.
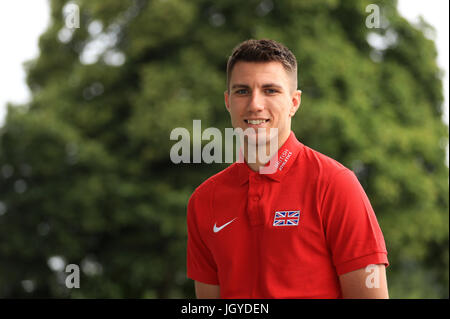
(271, 91)
(241, 91)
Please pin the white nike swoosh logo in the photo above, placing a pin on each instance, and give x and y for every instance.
(217, 229)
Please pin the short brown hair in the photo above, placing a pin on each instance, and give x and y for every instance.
(264, 50)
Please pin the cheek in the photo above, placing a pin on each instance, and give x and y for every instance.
(234, 114)
(280, 110)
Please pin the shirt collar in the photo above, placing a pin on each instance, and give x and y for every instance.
(286, 155)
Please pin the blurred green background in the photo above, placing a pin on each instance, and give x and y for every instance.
(85, 172)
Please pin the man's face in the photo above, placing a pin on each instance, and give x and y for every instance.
(262, 95)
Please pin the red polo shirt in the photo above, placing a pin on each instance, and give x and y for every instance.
(283, 235)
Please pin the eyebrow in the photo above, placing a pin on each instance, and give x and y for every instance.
(235, 86)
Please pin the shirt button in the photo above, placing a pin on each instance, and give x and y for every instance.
(255, 198)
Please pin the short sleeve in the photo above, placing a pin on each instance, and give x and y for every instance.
(351, 227)
(200, 262)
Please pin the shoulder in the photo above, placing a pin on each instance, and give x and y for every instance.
(335, 184)
(326, 177)
(321, 166)
(207, 188)
(201, 201)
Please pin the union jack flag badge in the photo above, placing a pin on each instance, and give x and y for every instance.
(287, 218)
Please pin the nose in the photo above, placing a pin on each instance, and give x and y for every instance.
(256, 102)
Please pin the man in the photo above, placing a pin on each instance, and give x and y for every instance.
(306, 230)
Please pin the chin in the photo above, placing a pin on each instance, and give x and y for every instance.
(262, 136)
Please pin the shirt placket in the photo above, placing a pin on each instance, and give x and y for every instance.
(255, 200)
(255, 214)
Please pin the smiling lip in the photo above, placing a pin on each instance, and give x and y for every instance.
(256, 122)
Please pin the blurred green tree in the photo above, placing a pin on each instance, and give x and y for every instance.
(85, 173)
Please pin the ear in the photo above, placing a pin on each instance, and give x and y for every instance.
(296, 101)
(227, 101)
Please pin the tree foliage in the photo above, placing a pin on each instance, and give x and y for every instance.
(85, 173)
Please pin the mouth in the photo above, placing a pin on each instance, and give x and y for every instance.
(256, 122)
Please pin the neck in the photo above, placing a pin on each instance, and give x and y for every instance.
(256, 156)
